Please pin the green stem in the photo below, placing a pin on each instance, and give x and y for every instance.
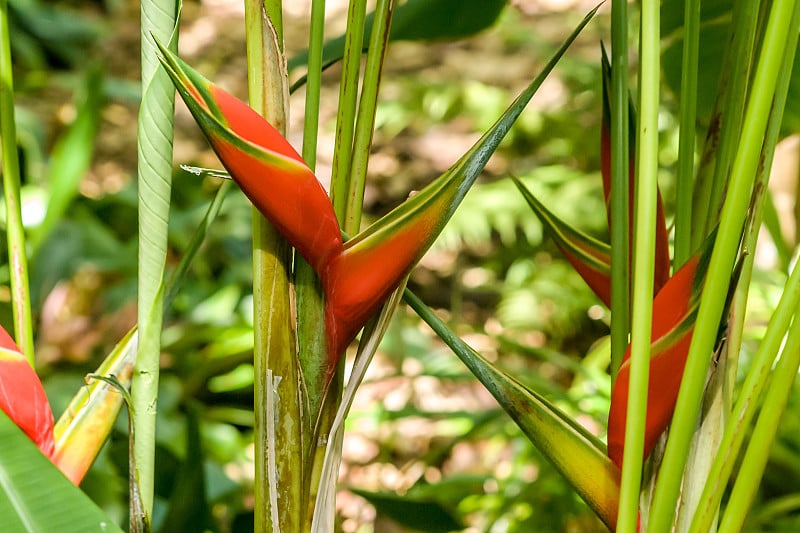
(721, 265)
(620, 168)
(757, 376)
(644, 264)
(746, 405)
(313, 82)
(278, 433)
(18, 261)
(348, 96)
(686, 146)
(365, 122)
(757, 455)
(155, 133)
(312, 350)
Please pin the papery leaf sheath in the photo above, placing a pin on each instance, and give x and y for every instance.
(674, 313)
(87, 421)
(590, 257)
(22, 396)
(269, 171)
(662, 261)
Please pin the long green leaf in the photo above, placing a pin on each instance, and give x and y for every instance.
(35, 497)
(155, 134)
(578, 455)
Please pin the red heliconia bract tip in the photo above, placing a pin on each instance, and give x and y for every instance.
(287, 193)
(22, 396)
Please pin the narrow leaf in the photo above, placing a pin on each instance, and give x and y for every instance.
(571, 449)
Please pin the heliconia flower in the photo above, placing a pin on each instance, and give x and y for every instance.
(588, 256)
(674, 312)
(22, 396)
(662, 262)
(263, 163)
(358, 276)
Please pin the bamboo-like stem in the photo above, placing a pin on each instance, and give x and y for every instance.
(278, 443)
(643, 264)
(744, 410)
(313, 82)
(18, 260)
(721, 265)
(348, 96)
(686, 146)
(159, 21)
(757, 455)
(746, 404)
(620, 168)
(365, 122)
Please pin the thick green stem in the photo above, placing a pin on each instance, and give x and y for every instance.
(278, 428)
(155, 133)
(718, 278)
(757, 455)
(620, 168)
(18, 260)
(646, 193)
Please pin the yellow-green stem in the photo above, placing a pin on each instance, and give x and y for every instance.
(643, 264)
(18, 261)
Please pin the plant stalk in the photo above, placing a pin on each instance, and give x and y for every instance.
(18, 260)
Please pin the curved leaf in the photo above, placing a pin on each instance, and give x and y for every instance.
(35, 496)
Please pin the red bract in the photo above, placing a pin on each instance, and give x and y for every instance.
(356, 277)
(266, 167)
(662, 262)
(674, 310)
(22, 396)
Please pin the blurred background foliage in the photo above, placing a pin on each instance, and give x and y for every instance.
(427, 448)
